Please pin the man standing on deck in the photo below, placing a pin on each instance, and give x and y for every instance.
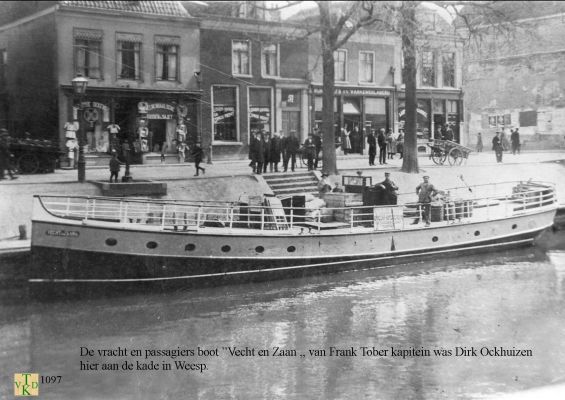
(425, 192)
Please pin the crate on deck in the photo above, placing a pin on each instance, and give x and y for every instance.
(356, 183)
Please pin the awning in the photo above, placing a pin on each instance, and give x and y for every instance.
(350, 108)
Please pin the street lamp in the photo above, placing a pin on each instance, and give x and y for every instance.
(79, 89)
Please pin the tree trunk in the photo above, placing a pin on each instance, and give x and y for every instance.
(328, 39)
(410, 156)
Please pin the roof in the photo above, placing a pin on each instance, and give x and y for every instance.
(167, 8)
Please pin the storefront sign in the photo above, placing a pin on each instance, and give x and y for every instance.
(94, 104)
(356, 91)
(160, 111)
(388, 218)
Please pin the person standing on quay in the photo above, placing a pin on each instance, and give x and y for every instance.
(114, 167)
(290, 146)
(381, 140)
(479, 143)
(515, 140)
(275, 154)
(372, 143)
(266, 150)
(318, 146)
(197, 153)
(497, 147)
(256, 153)
(310, 149)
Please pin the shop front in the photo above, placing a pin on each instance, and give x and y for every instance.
(357, 111)
(143, 123)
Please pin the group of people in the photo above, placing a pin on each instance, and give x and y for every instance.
(265, 151)
(388, 145)
(499, 143)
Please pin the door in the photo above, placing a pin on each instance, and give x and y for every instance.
(157, 133)
(291, 121)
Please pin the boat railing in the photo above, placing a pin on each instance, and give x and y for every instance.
(193, 216)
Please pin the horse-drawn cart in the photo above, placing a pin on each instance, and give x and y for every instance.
(441, 150)
(34, 155)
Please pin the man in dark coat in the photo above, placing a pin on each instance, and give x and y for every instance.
(275, 153)
(372, 143)
(290, 146)
(515, 139)
(318, 147)
(381, 140)
(310, 149)
(497, 147)
(257, 156)
(390, 189)
(266, 150)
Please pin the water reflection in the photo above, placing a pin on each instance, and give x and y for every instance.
(509, 299)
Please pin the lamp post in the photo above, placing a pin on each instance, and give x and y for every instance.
(79, 89)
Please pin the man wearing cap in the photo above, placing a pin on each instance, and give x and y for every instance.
(390, 187)
(425, 192)
(310, 149)
(290, 146)
(497, 147)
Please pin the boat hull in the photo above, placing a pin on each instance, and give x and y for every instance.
(78, 255)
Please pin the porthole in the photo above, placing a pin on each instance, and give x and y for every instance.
(259, 249)
(514, 226)
(190, 247)
(226, 248)
(477, 233)
(151, 245)
(111, 242)
(435, 239)
(291, 249)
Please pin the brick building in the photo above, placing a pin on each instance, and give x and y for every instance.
(520, 82)
(140, 58)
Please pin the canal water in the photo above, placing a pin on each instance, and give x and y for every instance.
(469, 327)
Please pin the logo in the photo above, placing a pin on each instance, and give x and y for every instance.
(26, 384)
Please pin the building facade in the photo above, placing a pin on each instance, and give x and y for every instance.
(520, 83)
(140, 58)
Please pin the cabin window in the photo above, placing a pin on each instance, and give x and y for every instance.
(111, 242)
(435, 239)
(151, 245)
(190, 247)
(477, 233)
(226, 248)
(291, 249)
(514, 226)
(259, 249)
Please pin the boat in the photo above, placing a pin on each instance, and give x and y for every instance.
(108, 242)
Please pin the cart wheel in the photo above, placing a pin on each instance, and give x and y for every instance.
(28, 163)
(455, 156)
(438, 157)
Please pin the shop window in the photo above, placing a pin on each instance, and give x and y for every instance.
(428, 76)
(241, 56)
(448, 67)
(129, 58)
(225, 113)
(260, 109)
(88, 52)
(340, 64)
(528, 118)
(366, 67)
(167, 59)
(270, 60)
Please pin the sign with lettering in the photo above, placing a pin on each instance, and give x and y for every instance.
(356, 91)
(160, 111)
(388, 218)
(95, 104)
(63, 233)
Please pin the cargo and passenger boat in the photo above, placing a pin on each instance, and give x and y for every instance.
(108, 242)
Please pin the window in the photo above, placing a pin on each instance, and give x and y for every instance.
(3, 67)
(241, 54)
(259, 109)
(129, 56)
(167, 62)
(340, 62)
(448, 67)
(225, 113)
(88, 52)
(428, 70)
(367, 67)
(270, 60)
